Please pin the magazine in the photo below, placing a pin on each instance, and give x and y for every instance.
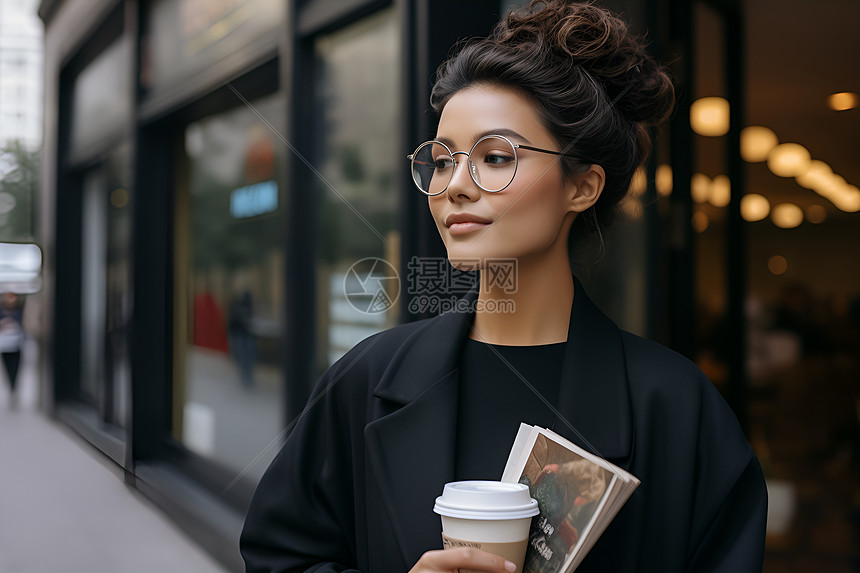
(577, 492)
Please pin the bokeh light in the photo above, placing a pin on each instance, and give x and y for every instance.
(787, 215)
(119, 198)
(664, 180)
(709, 116)
(757, 142)
(632, 207)
(777, 265)
(816, 213)
(638, 182)
(700, 187)
(700, 222)
(815, 175)
(721, 191)
(846, 198)
(754, 207)
(842, 101)
(789, 160)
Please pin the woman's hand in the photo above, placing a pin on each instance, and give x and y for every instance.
(449, 560)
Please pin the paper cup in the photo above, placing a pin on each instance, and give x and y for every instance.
(489, 515)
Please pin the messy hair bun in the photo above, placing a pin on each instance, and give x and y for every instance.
(596, 88)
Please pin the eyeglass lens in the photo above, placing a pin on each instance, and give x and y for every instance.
(492, 164)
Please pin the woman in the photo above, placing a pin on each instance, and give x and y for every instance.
(541, 128)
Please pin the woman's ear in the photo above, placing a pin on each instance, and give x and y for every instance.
(584, 190)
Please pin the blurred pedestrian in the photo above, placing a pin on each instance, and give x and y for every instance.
(11, 338)
(242, 343)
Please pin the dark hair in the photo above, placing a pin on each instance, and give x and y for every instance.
(595, 87)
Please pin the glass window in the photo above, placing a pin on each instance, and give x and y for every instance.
(359, 151)
(186, 36)
(101, 101)
(229, 287)
(802, 212)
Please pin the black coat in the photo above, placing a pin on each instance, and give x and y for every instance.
(354, 486)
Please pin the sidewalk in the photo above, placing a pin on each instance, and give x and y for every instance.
(64, 506)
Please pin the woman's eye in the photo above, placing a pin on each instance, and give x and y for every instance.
(442, 163)
(498, 159)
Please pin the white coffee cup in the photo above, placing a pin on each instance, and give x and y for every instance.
(490, 515)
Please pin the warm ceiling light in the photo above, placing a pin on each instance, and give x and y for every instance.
(664, 180)
(816, 214)
(847, 199)
(831, 186)
(700, 222)
(787, 215)
(842, 101)
(754, 207)
(815, 176)
(700, 187)
(789, 160)
(757, 142)
(721, 191)
(709, 116)
(638, 183)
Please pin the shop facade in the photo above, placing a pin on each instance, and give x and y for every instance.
(216, 173)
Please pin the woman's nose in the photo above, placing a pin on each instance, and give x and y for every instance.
(462, 187)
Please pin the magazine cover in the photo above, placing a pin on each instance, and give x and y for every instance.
(577, 492)
(570, 490)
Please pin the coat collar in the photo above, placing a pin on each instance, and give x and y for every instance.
(593, 398)
(411, 451)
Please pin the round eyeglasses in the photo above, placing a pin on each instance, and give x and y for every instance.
(492, 164)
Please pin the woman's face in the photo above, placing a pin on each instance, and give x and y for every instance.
(529, 218)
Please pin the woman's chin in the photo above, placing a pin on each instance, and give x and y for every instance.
(465, 263)
(477, 259)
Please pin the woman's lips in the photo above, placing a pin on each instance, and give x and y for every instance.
(461, 223)
(462, 228)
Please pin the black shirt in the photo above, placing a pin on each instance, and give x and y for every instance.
(494, 397)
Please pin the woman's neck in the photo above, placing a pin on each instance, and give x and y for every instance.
(536, 312)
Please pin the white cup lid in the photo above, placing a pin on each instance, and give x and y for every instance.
(488, 500)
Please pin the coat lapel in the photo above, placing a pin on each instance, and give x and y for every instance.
(594, 397)
(411, 451)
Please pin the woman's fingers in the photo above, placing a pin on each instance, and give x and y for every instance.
(462, 558)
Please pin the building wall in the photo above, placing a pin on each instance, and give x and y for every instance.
(20, 72)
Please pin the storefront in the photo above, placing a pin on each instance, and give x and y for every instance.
(212, 171)
(215, 172)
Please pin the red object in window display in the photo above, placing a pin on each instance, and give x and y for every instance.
(209, 328)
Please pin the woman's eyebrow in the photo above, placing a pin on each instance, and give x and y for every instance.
(507, 132)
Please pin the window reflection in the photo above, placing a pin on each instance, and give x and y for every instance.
(181, 38)
(229, 287)
(359, 150)
(101, 100)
